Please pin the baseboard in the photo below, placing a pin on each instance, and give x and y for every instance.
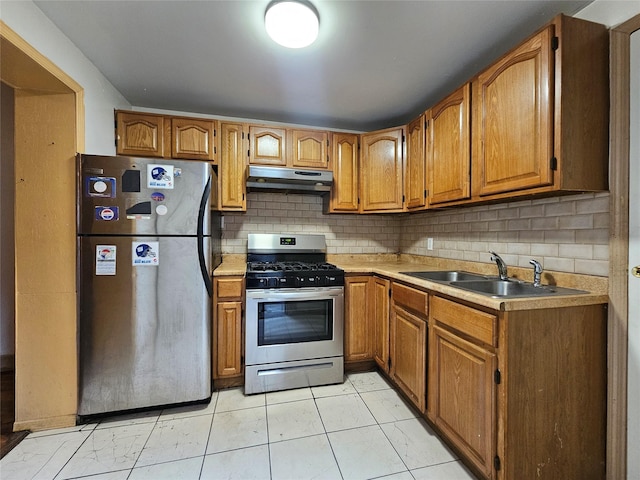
(7, 363)
(45, 423)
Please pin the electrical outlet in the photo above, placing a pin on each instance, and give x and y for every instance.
(429, 243)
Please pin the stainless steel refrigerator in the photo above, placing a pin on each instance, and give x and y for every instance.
(147, 244)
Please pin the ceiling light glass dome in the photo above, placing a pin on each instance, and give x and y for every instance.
(292, 24)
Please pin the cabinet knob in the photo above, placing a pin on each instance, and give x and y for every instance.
(635, 271)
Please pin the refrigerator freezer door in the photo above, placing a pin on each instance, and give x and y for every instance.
(141, 196)
(144, 323)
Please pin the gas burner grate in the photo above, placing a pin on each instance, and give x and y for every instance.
(289, 267)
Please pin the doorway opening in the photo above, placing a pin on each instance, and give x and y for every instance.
(42, 129)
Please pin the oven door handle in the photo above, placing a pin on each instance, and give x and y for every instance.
(293, 294)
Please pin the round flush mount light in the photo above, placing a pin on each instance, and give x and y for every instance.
(292, 24)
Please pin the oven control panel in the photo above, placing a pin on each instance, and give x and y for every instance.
(257, 281)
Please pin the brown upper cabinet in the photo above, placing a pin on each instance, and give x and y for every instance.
(540, 114)
(309, 148)
(193, 139)
(267, 146)
(415, 188)
(151, 135)
(288, 147)
(344, 164)
(231, 173)
(139, 134)
(449, 148)
(381, 170)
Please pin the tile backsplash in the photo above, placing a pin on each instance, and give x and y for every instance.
(567, 234)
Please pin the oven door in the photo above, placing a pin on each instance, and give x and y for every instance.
(284, 325)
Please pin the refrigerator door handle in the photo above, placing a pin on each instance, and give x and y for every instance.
(201, 253)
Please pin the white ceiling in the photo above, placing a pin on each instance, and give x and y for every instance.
(375, 64)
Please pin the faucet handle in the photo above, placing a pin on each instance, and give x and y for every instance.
(537, 272)
(537, 266)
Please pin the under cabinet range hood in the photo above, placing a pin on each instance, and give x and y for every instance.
(284, 179)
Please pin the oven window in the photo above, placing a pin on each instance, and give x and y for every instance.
(295, 321)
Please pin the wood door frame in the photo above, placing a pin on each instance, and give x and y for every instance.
(8, 34)
(37, 80)
(619, 248)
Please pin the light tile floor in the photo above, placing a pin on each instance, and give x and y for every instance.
(358, 430)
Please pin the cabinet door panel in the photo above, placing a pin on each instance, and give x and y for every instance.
(381, 322)
(462, 395)
(344, 192)
(193, 139)
(232, 168)
(228, 353)
(512, 121)
(449, 148)
(415, 188)
(357, 328)
(268, 146)
(139, 134)
(381, 170)
(408, 354)
(310, 149)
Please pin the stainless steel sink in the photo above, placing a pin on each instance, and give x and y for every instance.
(512, 288)
(446, 276)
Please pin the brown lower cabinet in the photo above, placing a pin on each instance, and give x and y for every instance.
(408, 342)
(518, 394)
(462, 388)
(228, 341)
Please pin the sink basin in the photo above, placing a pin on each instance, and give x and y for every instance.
(511, 288)
(446, 276)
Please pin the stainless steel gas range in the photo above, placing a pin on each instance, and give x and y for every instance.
(294, 314)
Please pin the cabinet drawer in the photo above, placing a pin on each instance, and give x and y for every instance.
(229, 287)
(479, 325)
(410, 298)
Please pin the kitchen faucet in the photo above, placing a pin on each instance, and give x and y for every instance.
(537, 272)
(502, 267)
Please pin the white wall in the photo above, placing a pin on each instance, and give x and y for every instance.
(100, 97)
(610, 12)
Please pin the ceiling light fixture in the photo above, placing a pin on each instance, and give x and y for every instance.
(292, 24)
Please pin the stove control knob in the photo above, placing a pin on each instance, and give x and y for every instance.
(283, 282)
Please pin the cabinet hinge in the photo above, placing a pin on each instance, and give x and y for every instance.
(358, 200)
(389, 293)
(248, 154)
(425, 193)
(555, 43)
(243, 135)
(215, 150)
(426, 125)
(402, 138)
(553, 163)
(402, 198)
(497, 377)
(496, 462)
(389, 363)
